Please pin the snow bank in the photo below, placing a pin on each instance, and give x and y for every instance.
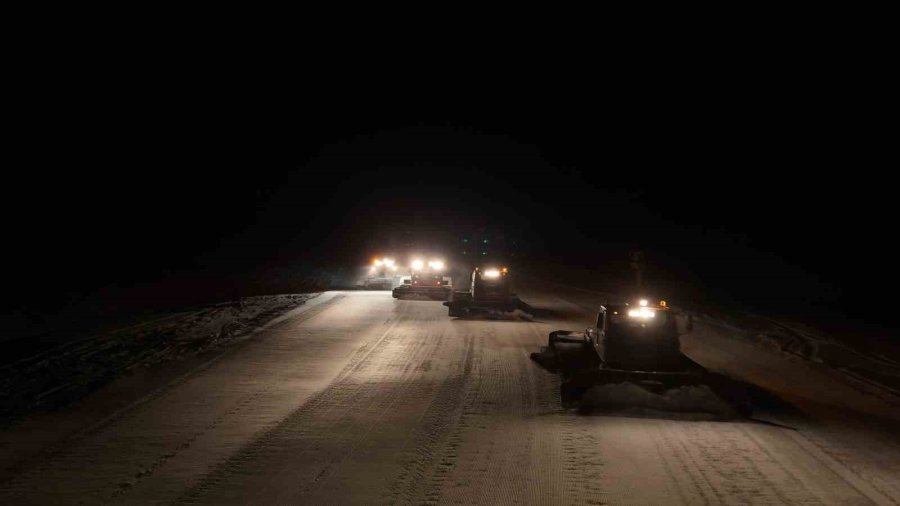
(58, 376)
(518, 314)
(514, 315)
(420, 297)
(628, 399)
(221, 322)
(873, 369)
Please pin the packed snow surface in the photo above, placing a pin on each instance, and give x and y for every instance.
(359, 398)
(630, 399)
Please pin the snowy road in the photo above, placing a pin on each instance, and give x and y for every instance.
(359, 398)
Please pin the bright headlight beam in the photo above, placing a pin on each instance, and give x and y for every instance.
(643, 302)
(492, 273)
(641, 313)
(436, 265)
(418, 264)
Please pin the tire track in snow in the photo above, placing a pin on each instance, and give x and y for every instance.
(242, 405)
(511, 447)
(136, 409)
(583, 461)
(678, 465)
(67, 460)
(433, 444)
(865, 487)
(330, 427)
(732, 465)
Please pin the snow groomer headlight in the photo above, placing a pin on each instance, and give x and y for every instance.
(643, 312)
(491, 273)
(417, 265)
(436, 265)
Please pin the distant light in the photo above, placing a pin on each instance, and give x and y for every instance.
(483, 253)
(504, 270)
(641, 313)
(485, 241)
(643, 302)
(378, 263)
(465, 240)
(492, 273)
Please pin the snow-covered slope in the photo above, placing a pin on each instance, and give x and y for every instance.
(66, 372)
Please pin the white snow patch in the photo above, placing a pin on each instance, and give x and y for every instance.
(628, 399)
(420, 297)
(223, 321)
(514, 315)
(522, 315)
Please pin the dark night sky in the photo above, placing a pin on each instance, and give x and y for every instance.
(753, 187)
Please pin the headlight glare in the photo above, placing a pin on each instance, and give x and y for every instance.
(641, 313)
